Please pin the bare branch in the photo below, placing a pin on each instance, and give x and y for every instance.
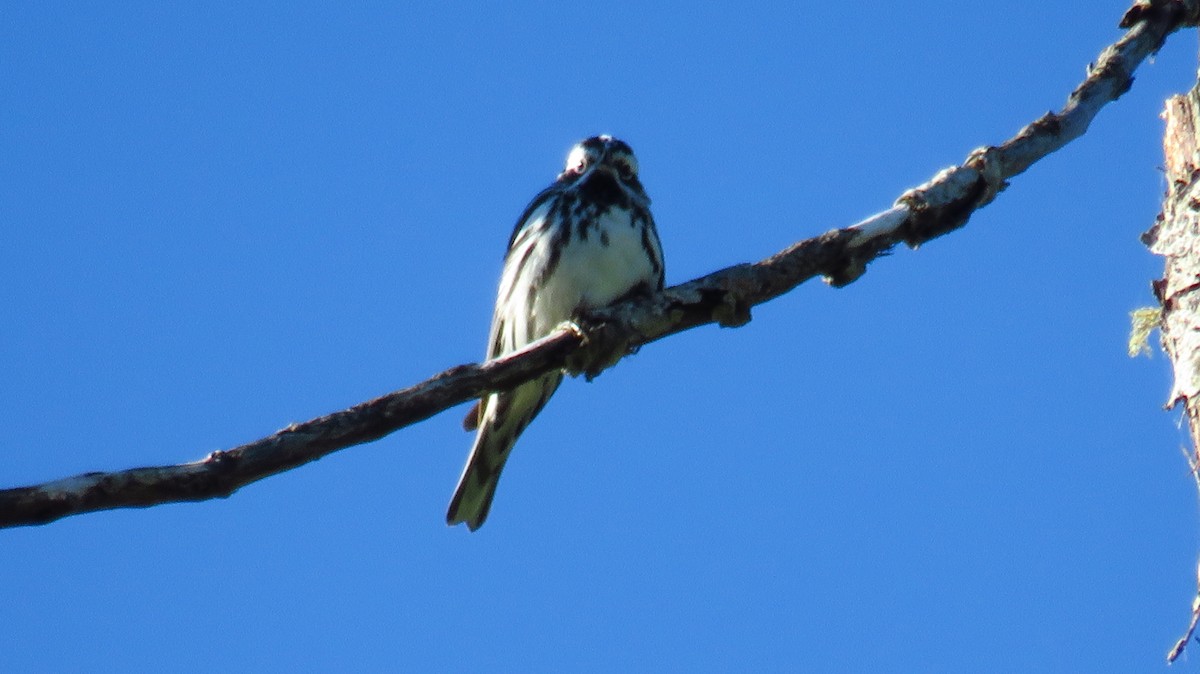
(597, 341)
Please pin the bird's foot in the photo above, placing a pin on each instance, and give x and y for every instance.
(604, 343)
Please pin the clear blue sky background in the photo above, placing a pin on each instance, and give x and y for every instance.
(219, 220)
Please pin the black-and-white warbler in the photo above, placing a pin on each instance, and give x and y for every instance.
(586, 241)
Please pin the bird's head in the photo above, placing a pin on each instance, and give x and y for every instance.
(604, 154)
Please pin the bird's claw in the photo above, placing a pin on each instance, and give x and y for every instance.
(603, 345)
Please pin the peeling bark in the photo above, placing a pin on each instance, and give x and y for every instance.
(1176, 236)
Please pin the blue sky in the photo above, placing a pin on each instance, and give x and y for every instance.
(221, 219)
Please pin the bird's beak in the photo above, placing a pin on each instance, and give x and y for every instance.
(607, 168)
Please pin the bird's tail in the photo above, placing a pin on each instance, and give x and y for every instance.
(502, 419)
(473, 497)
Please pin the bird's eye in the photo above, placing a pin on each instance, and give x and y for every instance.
(577, 161)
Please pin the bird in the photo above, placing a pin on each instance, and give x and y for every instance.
(583, 243)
